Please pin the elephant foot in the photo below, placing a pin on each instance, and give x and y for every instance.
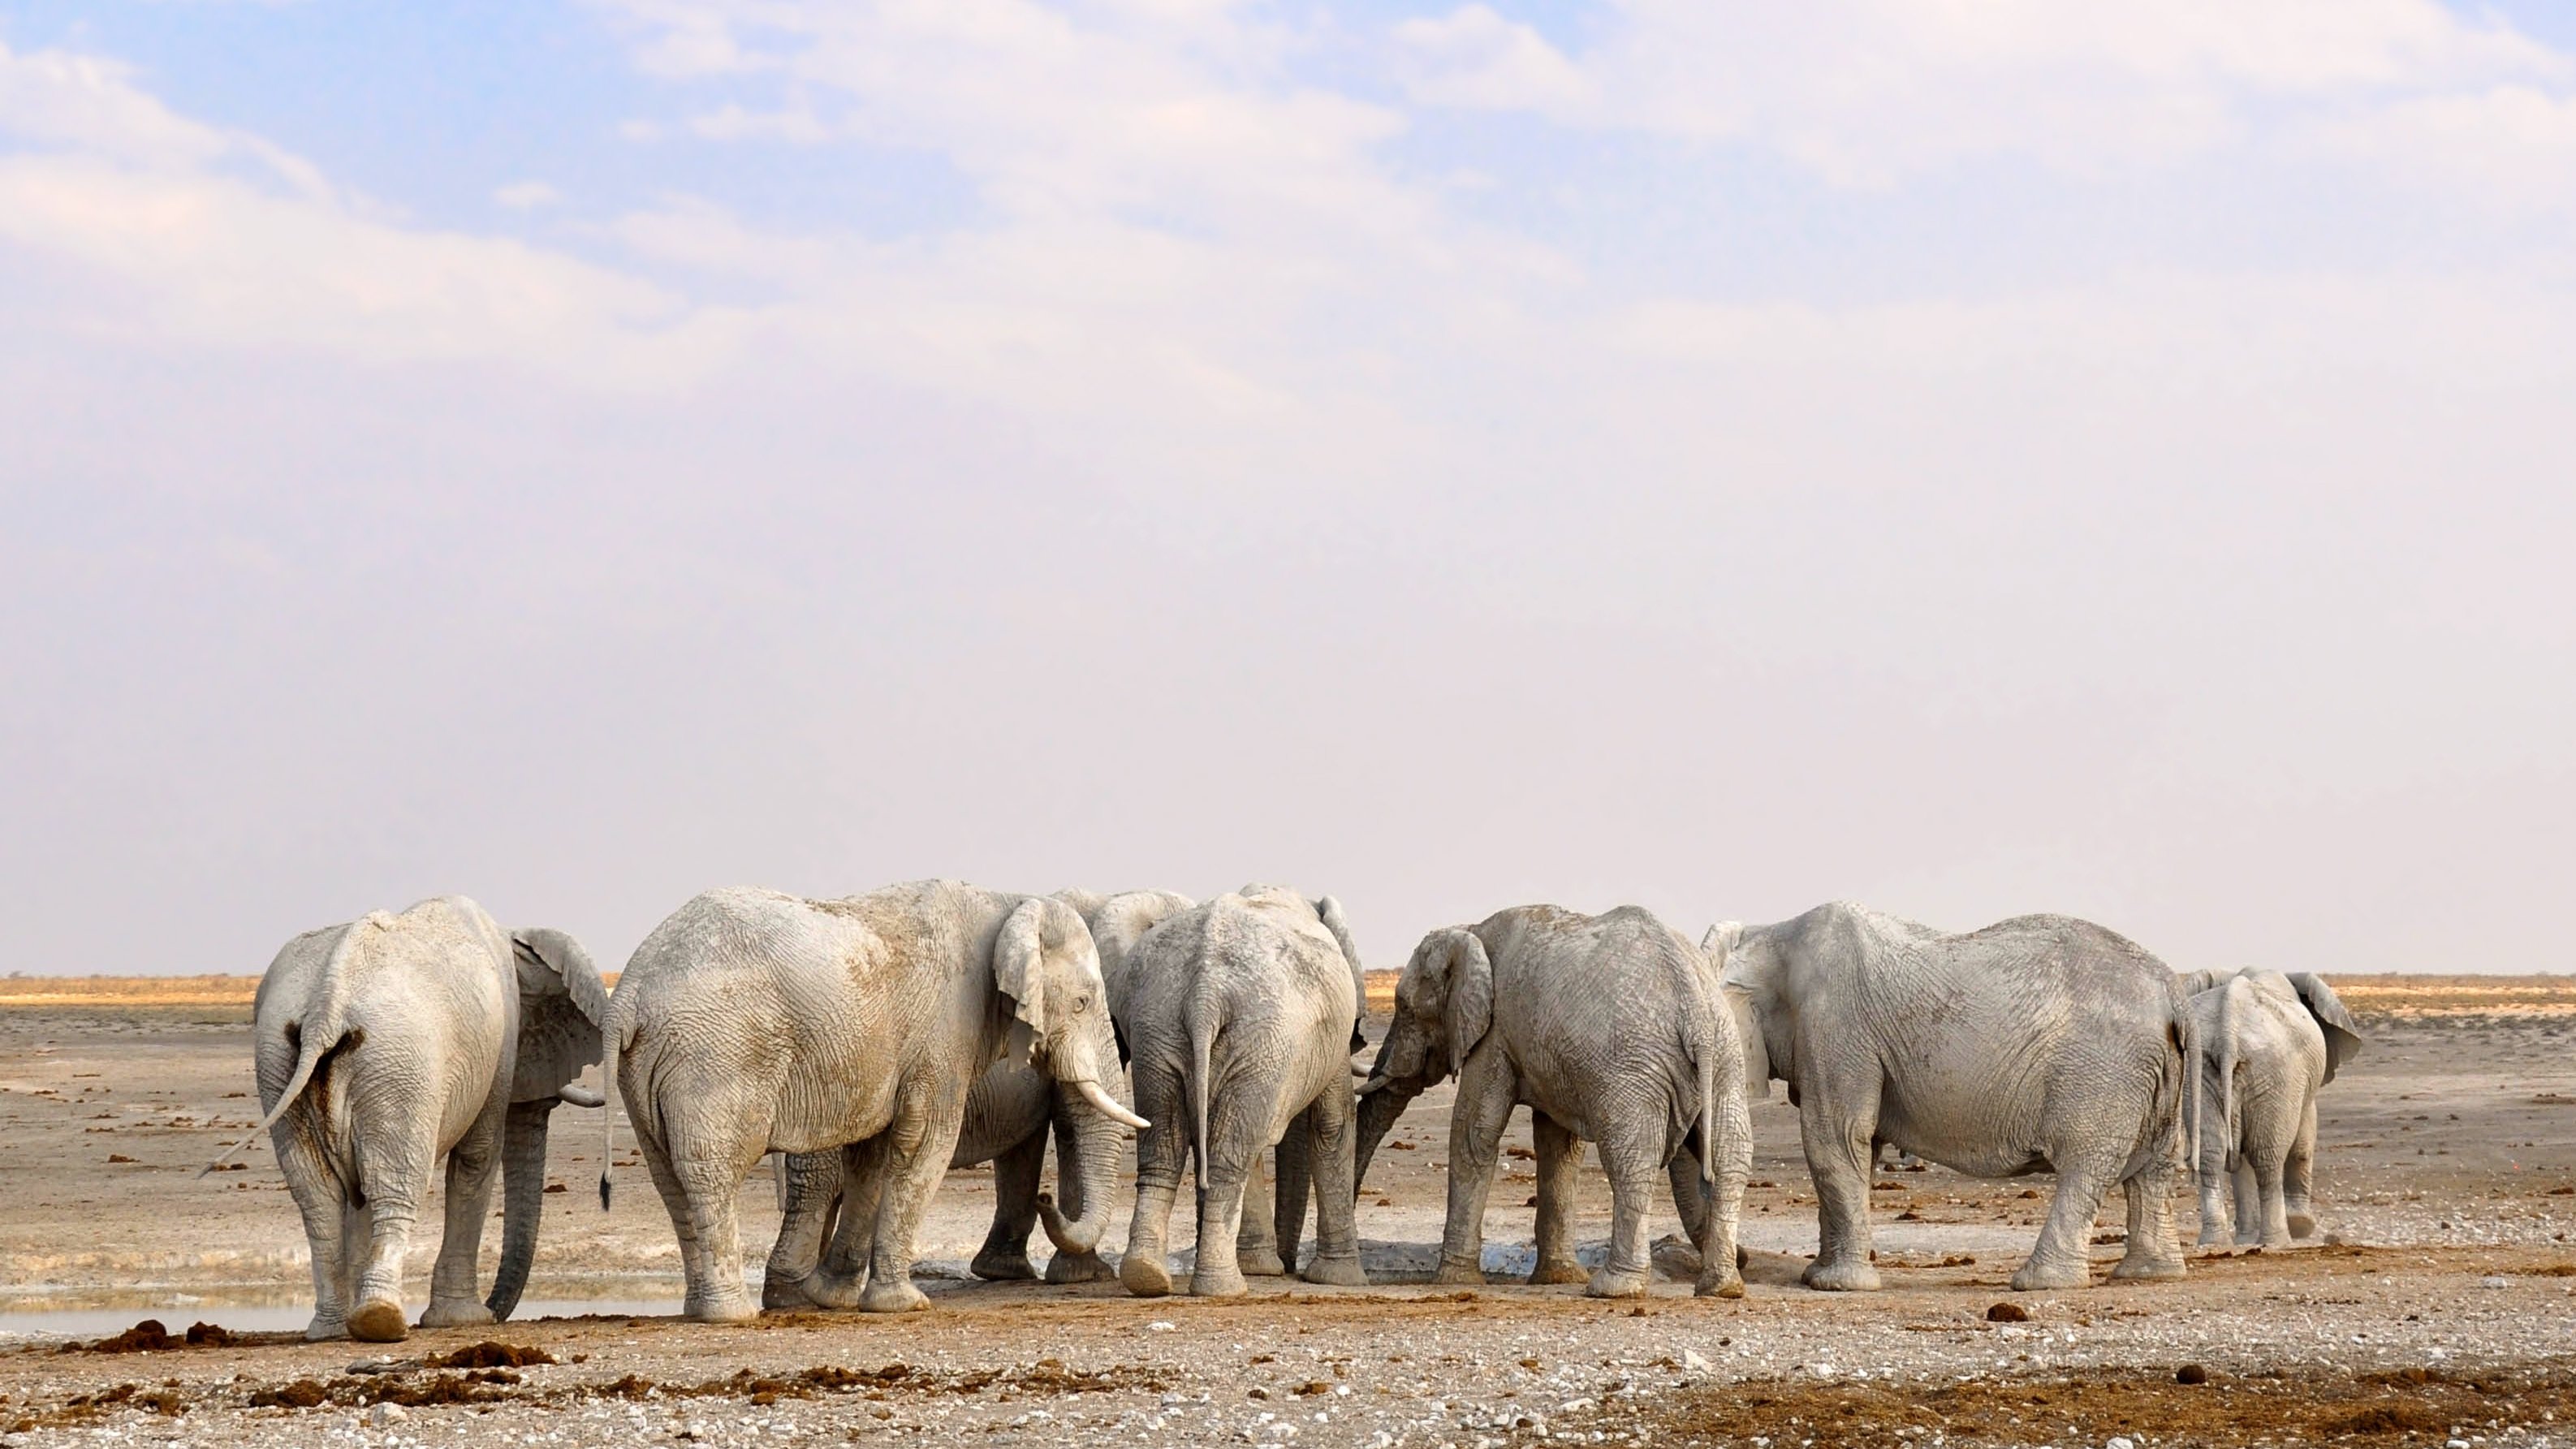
(1260, 1262)
(721, 1308)
(455, 1314)
(2249, 1240)
(1719, 1285)
(824, 1288)
(2215, 1236)
(1609, 1283)
(895, 1295)
(322, 1329)
(2302, 1226)
(1213, 1280)
(1565, 1270)
(2038, 1277)
(1842, 1275)
(1340, 1272)
(1145, 1274)
(1078, 1268)
(2149, 1267)
(1675, 1257)
(379, 1320)
(777, 1292)
(1454, 1274)
(1004, 1266)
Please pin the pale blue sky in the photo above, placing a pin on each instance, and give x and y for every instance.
(1967, 457)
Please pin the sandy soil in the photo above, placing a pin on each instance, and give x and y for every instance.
(2448, 1184)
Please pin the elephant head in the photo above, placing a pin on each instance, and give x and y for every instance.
(1117, 924)
(561, 1005)
(1444, 1003)
(1045, 965)
(1743, 964)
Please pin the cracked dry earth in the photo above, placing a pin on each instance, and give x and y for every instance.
(2442, 1313)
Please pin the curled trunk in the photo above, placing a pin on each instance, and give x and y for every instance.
(523, 1188)
(1087, 1147)
(1378, 1111)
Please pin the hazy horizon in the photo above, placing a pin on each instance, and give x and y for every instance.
(1971, 460)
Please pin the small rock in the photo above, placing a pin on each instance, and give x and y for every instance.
(2008, 1313)
(2191, 1373)
(386, 1415)
(1159, 1325)
(2119, 1443)
(2495, 1282)
(693, 1431)
(1693, 1361)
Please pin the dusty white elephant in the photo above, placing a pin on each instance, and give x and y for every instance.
(2037, 1044)
(1611, 1029)
(1241, 1018)
(2265, 1043)
(1009, 1115)
(391, 1041)
(751, 1021)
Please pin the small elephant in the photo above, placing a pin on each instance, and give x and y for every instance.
(392, 1041)
(1008, 1116)
(2265, 1043)
(1611, 1029)
(1241, 1017)
(2037, 1044)
(751, 1022)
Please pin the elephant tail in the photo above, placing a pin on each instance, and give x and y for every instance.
(321, 1027)
(611, 1039)
(1705, 1026)
(2228, 1118)
(1204, 1025)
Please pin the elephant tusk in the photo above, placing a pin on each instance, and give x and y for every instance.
(1359, 1073)
(581, 1096)
(1107, 1105)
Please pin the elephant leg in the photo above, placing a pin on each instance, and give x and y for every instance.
(2155, 1249)
(675, 1202)
(2061, 1258)
(2275, 1218)
(2298, 1175)
(1005, 1254)
(472, 1165)
(917, 1149)
(1289, 1190)
(1330, 1133)
(2249, 1203)
(1227, 1171)
(1073, 1166)
(706, 1154)
(813, 1183)
(1630, 1163)
(1710, 1178)
(1837, 1127)
(1486, 1093)
(851, 1240)
(326, 1213)
(393, 1186)
(1162, 1150)
(1256, 1247)
(1560, 1156)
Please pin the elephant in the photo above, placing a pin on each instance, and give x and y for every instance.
(2038, 1044)
(1611, 1029)
(2265, 1043)
(1009, 1113)
(750, 1021)
(388, 1042)
(1241, 1017)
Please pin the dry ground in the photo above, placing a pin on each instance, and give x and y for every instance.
(2448, 1179)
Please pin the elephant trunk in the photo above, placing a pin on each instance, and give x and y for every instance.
(1378, 1111)
(1087, 1143)
(523, 1188)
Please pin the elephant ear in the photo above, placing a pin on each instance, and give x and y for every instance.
(1748, 1029)
(1471, 995)
(1019, 966)
(1719, 944)
(562, 1002)
(1329, 911)
(2343, 1034)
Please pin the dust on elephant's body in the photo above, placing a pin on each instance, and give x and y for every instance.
(751, 1021)
(2265, 1042)
(1610, 1028)
(1240, 1017)
(395, 1040)
(2041, 1043)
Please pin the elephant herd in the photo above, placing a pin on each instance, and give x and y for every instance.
(878, 1040)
